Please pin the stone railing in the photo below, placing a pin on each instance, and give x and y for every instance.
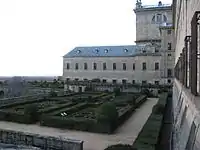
(42, 142)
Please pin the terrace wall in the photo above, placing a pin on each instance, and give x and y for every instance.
(43, 142)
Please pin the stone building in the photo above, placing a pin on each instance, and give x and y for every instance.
(151, 60)
(186, 90)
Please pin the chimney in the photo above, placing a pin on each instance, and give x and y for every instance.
(159, 3)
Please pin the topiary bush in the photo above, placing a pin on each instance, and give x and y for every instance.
(158, 109)
(32, 111)
(120, 147)
(107, 113)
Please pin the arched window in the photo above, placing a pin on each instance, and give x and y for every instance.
(159, 18)
(164, 18)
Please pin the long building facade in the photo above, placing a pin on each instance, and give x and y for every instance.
(151, 60)
(186, 90)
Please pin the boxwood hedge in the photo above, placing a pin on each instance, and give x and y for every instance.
(148, 136)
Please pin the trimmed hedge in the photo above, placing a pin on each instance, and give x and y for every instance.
(56, 107)
(15, 117)
(86, 124)
(120, 147)
(148, 136)
(69, 110)
(130, 109)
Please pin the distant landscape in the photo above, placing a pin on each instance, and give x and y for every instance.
(30, 78)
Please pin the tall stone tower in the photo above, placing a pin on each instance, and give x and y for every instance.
(148, 21)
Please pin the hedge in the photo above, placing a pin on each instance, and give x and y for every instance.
(56, 107)
(148, 136)
(69, 110)
(130, 109)
(120, 147)
(15, 117)
(83, 124)
(86, 124)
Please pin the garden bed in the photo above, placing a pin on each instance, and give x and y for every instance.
(148, 136)
(85, 114)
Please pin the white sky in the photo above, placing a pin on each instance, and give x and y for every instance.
(35, 34)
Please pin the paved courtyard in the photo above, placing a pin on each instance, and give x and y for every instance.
(92, 141)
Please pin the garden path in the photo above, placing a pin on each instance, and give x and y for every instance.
(92, 141)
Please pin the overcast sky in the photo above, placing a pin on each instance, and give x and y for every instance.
(35, 34)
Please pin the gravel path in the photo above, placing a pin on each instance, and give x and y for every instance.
(92, 141)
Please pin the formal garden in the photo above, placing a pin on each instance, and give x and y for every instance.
(100, 112)
(149, 137)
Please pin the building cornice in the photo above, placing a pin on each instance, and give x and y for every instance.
(156, 8)
(148, 40)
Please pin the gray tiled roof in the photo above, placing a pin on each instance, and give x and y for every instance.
(104, 51)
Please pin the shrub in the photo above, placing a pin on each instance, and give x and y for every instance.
(158, 109)
(117, 91)
(96, 80)
(107, 113)
(33, 111)
(90, 99)
(1, 93)
(53, 94)
(88, 89)
(145, 91)
(120, 147)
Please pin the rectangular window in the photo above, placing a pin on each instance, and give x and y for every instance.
(144, 66)
(76, 66)
(156, 82)
(85, 66)
(133, 81)
(114, 66)
(114, 81)
(169, 73)
(156, 66)
(67, 79)
(169, 55)
(104, 66)
(169, 46)
(144, 82)
(191, 139)
(156, 50)
(123, 81)
(94, 66)
(68, 66)
(124, 66)
(159, 18)
(104, 80)
(169, 31)
(133, 66)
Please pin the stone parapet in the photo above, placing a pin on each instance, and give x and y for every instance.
(39, 141)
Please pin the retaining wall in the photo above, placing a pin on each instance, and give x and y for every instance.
(42, 142)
